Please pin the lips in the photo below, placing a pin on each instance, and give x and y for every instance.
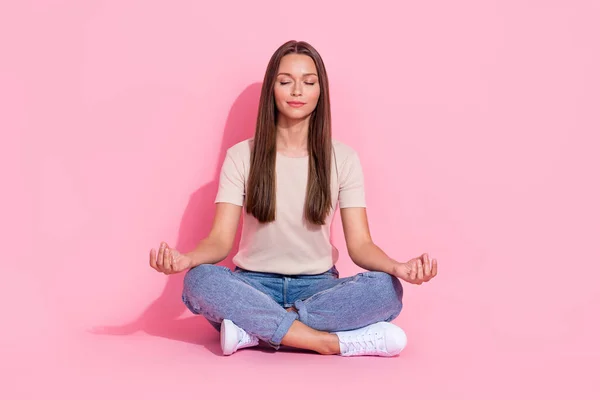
(295, 103)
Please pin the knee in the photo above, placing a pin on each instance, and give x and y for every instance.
(199, 280)
(389, 289)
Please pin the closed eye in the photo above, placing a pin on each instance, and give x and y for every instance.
(308, 83)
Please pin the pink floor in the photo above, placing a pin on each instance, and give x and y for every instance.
(458, 349)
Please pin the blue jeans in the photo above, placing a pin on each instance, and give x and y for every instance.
(257, 301)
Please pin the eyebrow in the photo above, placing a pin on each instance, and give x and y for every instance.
(288, 74)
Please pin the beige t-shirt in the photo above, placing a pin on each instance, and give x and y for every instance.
(289, 245)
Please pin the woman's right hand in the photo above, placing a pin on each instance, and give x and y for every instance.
(169, 260)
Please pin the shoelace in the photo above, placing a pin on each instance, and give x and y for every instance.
(361, 342)
(246, 338)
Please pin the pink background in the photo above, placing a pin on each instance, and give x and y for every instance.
(477, 125)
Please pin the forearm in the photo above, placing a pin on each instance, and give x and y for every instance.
(209, 251)
(370, 257)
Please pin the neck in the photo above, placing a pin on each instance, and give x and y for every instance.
(292, 134)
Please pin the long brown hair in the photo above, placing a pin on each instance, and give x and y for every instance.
(260, 192)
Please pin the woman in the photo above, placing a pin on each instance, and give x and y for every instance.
(289, 179)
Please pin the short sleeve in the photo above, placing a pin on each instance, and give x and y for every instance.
(352, 187)
(231, 181)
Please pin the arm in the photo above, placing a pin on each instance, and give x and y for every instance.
(229, 202)
(361, 248)
(369, 256)
(219, 242)
(217, 245)
(211, 250)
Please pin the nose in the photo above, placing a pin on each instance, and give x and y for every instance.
(296, 90)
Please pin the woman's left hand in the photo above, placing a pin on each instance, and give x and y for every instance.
(417, 270)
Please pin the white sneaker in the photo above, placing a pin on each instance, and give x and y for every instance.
(234, 338)
(379, 339)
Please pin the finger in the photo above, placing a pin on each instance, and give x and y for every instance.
(413, 271)
(426, 266)
(420, 270)
(168, 266)
(161, 255)
(172, 258)
(153, 259)
(434, 268)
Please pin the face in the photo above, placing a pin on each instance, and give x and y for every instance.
(297, 87)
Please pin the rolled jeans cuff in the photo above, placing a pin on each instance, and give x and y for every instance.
(282, 329)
